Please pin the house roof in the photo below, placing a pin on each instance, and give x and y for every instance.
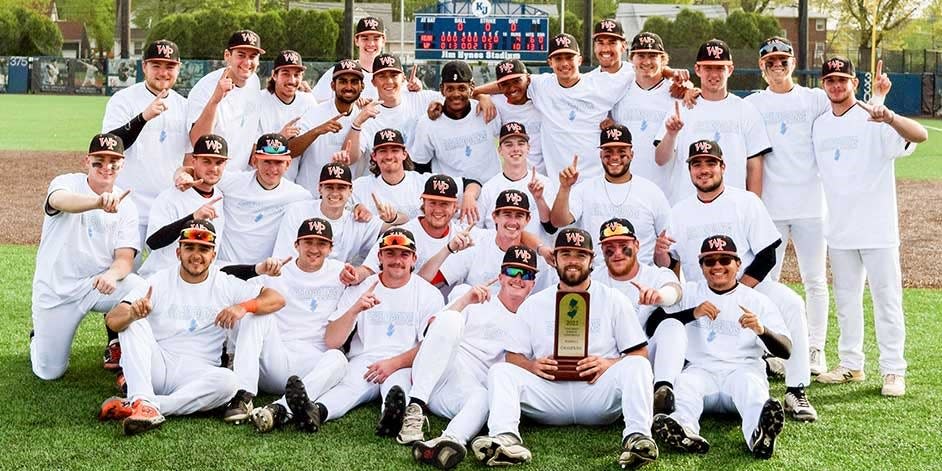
(72, 31)
(792, 12)
(382, 11)
(633, 15)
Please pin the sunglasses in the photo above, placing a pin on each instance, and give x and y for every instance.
(522, 273)
(724, 260)
(197, 235)
(274, 150)
(393, 240)
(769, 63)
(111, 166)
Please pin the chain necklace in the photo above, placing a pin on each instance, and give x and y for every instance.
(609, 197)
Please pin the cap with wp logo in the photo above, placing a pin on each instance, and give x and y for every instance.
(384, 62)
(647, 42)
(347, 66)
(573, 238)
(776, 46)
(615, 136)
(714, 52)
(106, 144)
(510, 69)
(609, 27)
(388, 137)
(440, 187)
(162, 50)
(563, 43)
(316, 228)
(837, 66)
(457, 72)
(513, 129)
(718, 245)
(211, 145)
(272, 146)
(705, 148)
(245, 39)
(336, 173)
(369, 24)
(616, 229)
(288, 58)
(520, 256)
(512, 199)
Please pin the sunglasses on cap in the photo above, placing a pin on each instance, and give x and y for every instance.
(522, 273)
(395, 240)
(617, 230)
(724, 260)
(274, 150)
(769, 63)
(195, 234)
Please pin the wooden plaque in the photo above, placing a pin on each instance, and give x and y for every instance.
(571, 334)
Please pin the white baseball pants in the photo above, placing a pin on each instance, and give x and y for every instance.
(807, 235)
(666, 350)
(354, 390)
(792, 308)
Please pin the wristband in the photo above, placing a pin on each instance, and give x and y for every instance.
(448, 246)
(250, 305)
(355, 127)
(393, 219)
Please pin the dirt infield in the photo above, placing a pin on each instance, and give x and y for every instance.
(920, 205)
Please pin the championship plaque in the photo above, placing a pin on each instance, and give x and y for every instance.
(571, 332)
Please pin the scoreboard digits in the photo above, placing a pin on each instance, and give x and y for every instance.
(471, 38)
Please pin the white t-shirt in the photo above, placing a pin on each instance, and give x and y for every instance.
(320, 151)
(402, 118)
(322, 91)
(236, 115)
(613, 324)
(527, 115)
(150, 162)
(856, 161)
(722, 343)
(352, 239)
(791, 188)
(170, 206)
(76, 247)
(733, 123)
(425, 245)
(736, 213)
(596, 200)
(253, 215)
(310, 299)
(571, 117)
(491, 189)
(183, 314)
(481, 263)
(648, 276)
(397, 323)
(486, 332)
(405, 196)
(465, 147)
(643, 111)
(274, 114)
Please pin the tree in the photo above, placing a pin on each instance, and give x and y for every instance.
(39, 36)
(149, 12)
(178, 28)
(691, 28)
(9, 33)
(214, 28)
(98, 17)
(891, 14)
(270, 27)
(662, 27)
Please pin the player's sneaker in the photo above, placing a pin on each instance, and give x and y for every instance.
(239, 408)
(112, 356)
(774, 367)
(269, 417)
(306, 415)
(502, 450)
(144, 417)
(394, 410)
(115, 408)
(443, 452)
(663, 400)
(670, 431)
(412, 426)
(770, 425)
(817, 361)
(841, 374)
(637, 450)
(893, 385)
(797, 404)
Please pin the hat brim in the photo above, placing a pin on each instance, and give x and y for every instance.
(212, 155)
(715, 62)
(718, 252)
(197, 242)
(315, 236)
(389, 144)
(438, 197)
(776, 53)
(108, 153)
(513, 208)
(520, 265)
(285, 66)
(384, 69)
(246, 46)
(614, 35)
(163, 59)
(659, 51)
(711, 156)
(618, 237)
(511, 77)
(281, 157)
(335, 180)
(514, 134)
(565, 50)
(371, 31)
(615, 144)
(404, 247)
(566, 247)
(837, 74)
(347, 72)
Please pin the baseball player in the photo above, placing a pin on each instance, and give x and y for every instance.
(719, 116)
(617, 372)
(150, 118)
(386, 316)
(282, 107)
(224, 102)
(370, 39)
(514, 106)
(393, 182)
(85, 257)
(738, 213)
(353, 232)
(862, 228)
(617, 193)
(648, 288)
(449, 374)
(791, 188)
(173, 208)
(729, 326)
(173, 335)
(290, 343)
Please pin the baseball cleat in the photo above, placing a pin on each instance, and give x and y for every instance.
(670, 431)
(305, 413)
(115, 408)
(893, 385)
(121, 383)
(443, 452)
(269, 417)
(394, 409)
(239, 407)
(841, 375)
(143, 418)
(502, 450)
(770, 425)
(664, 400)
(412, 426)
(637, 450)
(774, 367)
(817, 362)
(112, 356)
(799, 407)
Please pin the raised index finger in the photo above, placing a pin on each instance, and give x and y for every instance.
(489, 283)
(376, 200)
(575, 161)
(126, 192)
(415, 67)
(865, 106)
(533, 172)
(150, 291)
(214, 200)
(879, 69)
(225, 73)
(164, 94)
(373, 286)
(295, 120)
(676, 109)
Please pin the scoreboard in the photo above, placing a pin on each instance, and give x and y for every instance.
(492, 38)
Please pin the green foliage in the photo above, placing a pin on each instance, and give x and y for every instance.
(37, 34)
(691, 28)
(9, 33)
(573, 27)
(97, 15)
(179, 28)
(147, 13)
(270, 26)
(215, 26)
(340, 49)
(660, 26)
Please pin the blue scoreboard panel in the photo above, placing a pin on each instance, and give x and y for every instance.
(493, 38)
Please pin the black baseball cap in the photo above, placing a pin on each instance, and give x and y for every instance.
(647, 42)
(839, 66)
(718, 245)
(162, 50)
(513, 129)
(776, 46)
(106, 144)
(441, 187)
(245, 39)
(714, 52)
(397, 238)
(573, 238)
(456, 72)
(563, 43)
(388, 137)
(705, 148)
(347, 66)
(199, 231)
(520, 256)
(272, 146)
(512, 199)
(615, 135)
(369, 24)
(288, 58)
(336, 172)
(316, 228)
(616, 229)
(608, 27)
(384, 62)
(211, 145)
(510, 69)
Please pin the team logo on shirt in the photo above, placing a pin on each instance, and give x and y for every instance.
(316, 226)
(505, 68)
(440, 186)
(835, 64)
(250, 38)
(387, 61)
(513, 198)
(703, 146)
(292, 57)
(165, 50)
(717, 244)
(607, 25)
(715, 51)
(214, 145)
(575, 238)
(371, 23)
(613, 134)
(522, 255)
(107, 142)
(387, 135)
(563, 41)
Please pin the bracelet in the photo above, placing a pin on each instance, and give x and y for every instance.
(250, 305)
(448, 246)
(393, 219)
(355, 127)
